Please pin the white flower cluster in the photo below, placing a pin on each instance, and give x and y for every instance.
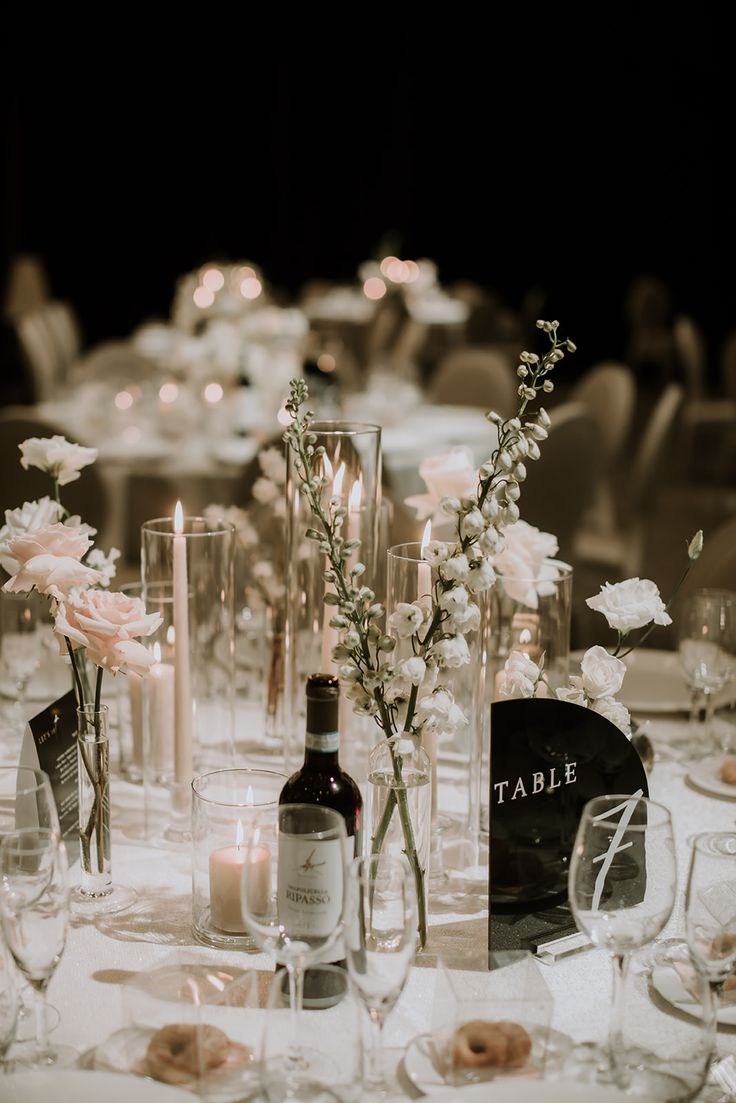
(402, 690)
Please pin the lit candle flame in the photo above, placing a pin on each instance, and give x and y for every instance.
(427, 535)
(239, 835)
(339, 477)
(178, 518)
(525, 636)
(157, 652)
(356, 495)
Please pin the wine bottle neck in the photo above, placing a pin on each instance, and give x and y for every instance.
(321, 748)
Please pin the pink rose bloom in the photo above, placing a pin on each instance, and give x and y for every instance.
(106, 624)
(48, 558)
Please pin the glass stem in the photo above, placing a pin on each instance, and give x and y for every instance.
(709, 733)
(374, 1075)
(42, 1032)
(296, 997)
(695, 695)
(615, 1036)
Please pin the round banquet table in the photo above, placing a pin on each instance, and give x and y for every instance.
(102, 955)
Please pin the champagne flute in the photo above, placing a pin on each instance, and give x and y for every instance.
(294, 909)
(710, 907)
(380, 936)
(707, 651)
(20, 644)
(622, 883)
(34, 910)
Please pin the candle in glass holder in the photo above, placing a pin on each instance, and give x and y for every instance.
(424, 571)
(234, 869)
(182, 679)
(162, 713)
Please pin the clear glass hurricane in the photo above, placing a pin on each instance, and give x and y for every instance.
(20, 646)
(622, 883)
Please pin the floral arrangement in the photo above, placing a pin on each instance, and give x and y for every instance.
(410, 696)
(42, 547)
(629, 606)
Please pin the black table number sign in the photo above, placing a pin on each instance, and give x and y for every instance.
(50, 744)
(548, 759)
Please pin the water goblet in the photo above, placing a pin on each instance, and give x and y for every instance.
(34, 911)
(622, 883)
(707, 652)
(380, 939)
(710, 907)
(293, 903)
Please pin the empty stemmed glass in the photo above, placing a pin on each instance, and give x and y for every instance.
(380, 939)
(20, 645)
(710, 907)
(622, 883)
(707, 650)
(293, 901)
(34, 909)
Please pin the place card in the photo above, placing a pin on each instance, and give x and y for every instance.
(50, 744)
(548, 759)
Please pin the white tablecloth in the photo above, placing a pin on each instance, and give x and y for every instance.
(102, 955)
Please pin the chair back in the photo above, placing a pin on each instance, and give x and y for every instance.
(475, 377)
(114, 362)
(608, 393)
(40, 353)
(561, 485)
(691, 353)
(654, 446)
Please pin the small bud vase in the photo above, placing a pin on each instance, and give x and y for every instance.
(96, 894)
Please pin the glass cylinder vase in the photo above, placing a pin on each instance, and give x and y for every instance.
(233, 842)
(352, 466)
(187, 569)
(96, 894)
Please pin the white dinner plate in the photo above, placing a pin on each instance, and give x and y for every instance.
(534, 1091)
(704, 775)
(80, 1086)
(667, 982)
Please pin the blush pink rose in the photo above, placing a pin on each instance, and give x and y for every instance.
(106, 624)
(55, 575)
(57, 539)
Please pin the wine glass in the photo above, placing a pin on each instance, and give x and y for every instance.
(8, 1002)
(622, 883)
(707, 650)
(20, 644)
(380, 939)
(293, 906)
(710, 907)
(27, 800)
(34, 909)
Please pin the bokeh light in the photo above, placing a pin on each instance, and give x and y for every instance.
(374, 288)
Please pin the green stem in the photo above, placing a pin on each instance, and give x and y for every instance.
(77, 679)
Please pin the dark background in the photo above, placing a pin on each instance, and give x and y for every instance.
(564, 149)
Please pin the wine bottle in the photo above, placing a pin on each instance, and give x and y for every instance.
(321, 780)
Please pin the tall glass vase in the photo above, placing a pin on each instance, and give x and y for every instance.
(352, 466)
(187, 570)
(96, 894)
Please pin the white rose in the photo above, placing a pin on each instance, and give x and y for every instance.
(481, 576)
(603, 675)
(273, 465)
(452, 652)
(630, 604)
(451, 474)
(412, 669)
(456, 598)
(522, 564)
(405, 620)
(30, 517)
(456, 569)
(574, 693)
(520, 675)
(436, 552)
(614, 711)
(265, 491)
(58, 456)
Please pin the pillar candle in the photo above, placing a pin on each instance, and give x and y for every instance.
(161, 689)
(183, 768)
(234, 869)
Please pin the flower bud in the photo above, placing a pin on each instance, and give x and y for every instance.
(520, 472)
(548, 386)
(504, 461)
(511, 513)
(534, 452)
(522, 372)
(513, 492)
(513, 424)
(695, 546)
(571, 347)
(493, 417)
(450, 505)
(544, 418)
(541, 324)
(539, 432)
(522, 446)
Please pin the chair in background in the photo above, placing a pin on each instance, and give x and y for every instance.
(560, 486)
(40, 353)
(708, 423)
(475, 377)
(622, 548)
(63, 325)
(27, 287)
(86, 496)
(113, 362)
(608, 393)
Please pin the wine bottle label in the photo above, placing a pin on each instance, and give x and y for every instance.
(310, 885)
(326, 742)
